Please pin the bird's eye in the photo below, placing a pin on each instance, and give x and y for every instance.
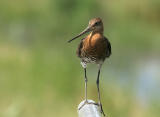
(97, 23)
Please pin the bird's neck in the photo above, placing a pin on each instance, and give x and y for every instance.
(93, 33)
(94, 37)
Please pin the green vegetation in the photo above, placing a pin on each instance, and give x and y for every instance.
(40, 75)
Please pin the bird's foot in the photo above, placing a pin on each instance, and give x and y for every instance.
(101, 109)
(86, 102)
(97, 104)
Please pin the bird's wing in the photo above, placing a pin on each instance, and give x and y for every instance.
(109, 48)
(79, 48)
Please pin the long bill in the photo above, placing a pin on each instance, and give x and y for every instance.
(82, 33)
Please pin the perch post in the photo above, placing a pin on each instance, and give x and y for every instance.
(89, 110)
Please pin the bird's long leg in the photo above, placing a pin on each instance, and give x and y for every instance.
(86, 100)
(86, 80)
(99, 97)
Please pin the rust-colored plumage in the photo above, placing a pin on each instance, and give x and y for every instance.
(94, 48)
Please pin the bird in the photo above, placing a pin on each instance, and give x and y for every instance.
(94, 48)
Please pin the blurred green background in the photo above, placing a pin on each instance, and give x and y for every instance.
(40, 75)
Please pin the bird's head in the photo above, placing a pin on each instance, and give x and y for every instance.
(95, 25)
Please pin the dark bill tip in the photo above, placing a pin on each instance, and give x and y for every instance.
(73, 39)
(82, 33)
